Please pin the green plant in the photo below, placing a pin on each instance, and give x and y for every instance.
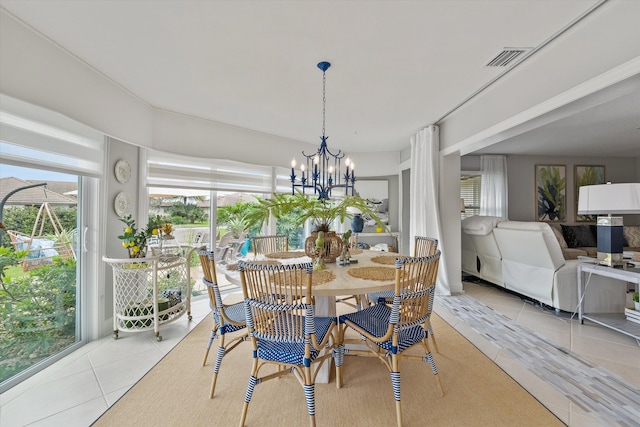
(322, 212)
(237, 226)
(636, 297)
(134, 240)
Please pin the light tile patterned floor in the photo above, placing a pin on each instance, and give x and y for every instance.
(574, 370)
(598, 392)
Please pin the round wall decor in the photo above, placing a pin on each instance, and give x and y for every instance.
(122, 204)
(122, 171)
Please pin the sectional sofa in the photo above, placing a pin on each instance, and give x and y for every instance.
(528, 258)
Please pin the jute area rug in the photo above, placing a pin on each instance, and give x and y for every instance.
(477, 392)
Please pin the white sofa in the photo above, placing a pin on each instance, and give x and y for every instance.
(526, 258)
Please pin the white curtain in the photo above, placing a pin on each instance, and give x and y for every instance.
(424, 208)
(493, 190)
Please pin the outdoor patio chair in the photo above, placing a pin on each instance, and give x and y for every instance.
(223, 247)
(263, 245)
(226, 318)
(283, 328)
(424, 246)
(389, 331)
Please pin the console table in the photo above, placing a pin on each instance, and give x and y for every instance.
(394, 236)
(614, 321)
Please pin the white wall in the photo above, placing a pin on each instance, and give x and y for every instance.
(594, 47)
(521, 179)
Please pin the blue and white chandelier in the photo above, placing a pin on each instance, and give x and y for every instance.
(322, 170)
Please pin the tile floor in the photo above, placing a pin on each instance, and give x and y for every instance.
(78, 389)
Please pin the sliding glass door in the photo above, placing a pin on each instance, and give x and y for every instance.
(46, 161)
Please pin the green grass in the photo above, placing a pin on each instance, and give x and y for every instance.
(14, 271)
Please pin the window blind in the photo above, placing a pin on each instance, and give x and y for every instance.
(176, 171)
(33, 136)
(470, 186)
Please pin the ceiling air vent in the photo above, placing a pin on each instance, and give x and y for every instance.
(507, 56)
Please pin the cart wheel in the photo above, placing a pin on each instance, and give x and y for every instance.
(190, 317)
(159, 338)
(115, 335)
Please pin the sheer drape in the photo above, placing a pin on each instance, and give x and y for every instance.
(424, 208)
(493, 192)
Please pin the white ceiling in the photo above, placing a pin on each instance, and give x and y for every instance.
(396, 65)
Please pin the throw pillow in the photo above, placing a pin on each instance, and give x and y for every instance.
(560, 237)
(578, 236)
(632, 236)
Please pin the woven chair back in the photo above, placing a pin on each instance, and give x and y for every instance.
(425, 246)
(263, 245)
(414, 290)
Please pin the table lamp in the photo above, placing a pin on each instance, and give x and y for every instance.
(610, 199)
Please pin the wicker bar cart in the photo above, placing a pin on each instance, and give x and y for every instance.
(149, 292)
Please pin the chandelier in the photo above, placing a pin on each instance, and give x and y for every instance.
(322, 170)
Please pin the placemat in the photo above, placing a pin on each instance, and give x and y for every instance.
(285, 255)
(234, 267)
(385, 259)
(383, 274)
(321, 276)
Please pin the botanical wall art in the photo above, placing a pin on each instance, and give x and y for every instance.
(551, 192)
(586, 175)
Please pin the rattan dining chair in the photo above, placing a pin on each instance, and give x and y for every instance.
(423, 246)
(389, 331)
(226, 318)
(283, 328)
(263, 245)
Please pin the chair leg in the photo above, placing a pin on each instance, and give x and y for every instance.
(253, 380)
(338, 358)
(212, 337)
(216, 368)
(395, 383)
(429, 358)
(309, 394)
(433, 338)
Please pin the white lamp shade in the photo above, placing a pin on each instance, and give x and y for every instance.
(609, 199)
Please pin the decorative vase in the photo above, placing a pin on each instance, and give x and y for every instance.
(357, 223)
(332, 246)
(636, 305)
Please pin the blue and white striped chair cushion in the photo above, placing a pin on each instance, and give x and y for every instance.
(375, 321)
(292, 352)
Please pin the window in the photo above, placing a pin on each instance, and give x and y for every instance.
(470, 186)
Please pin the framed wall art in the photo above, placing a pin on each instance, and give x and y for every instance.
(551, 193)
(586, 175)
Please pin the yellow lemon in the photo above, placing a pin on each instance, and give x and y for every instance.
(132, 243)
(135, 250)
(128, 230)
(155, 232)
(125, 244)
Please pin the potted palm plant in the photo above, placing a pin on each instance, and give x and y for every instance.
(321, 212)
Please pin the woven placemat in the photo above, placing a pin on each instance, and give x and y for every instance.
(385, 259)
(321, 276)
(285, 255)
(383, 274)
(234, 267)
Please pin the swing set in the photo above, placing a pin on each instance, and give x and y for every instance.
(41, 249)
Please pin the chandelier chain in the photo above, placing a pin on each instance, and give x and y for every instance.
(324, 99)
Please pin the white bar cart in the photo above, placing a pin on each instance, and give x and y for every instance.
(149, 292)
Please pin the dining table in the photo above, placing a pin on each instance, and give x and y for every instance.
(369, 271)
